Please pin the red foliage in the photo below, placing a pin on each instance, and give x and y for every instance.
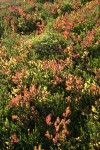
(17, 9)
(48, 119)
(16, 100)
(14, 138)
(89, 38)
(60, 127)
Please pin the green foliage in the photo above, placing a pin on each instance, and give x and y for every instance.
(47, 45)
(49, 75)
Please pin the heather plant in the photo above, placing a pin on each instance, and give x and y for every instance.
(48, 45)
(49, 75)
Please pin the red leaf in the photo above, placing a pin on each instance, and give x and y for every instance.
(48, 119)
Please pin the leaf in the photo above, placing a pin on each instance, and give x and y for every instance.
(94, 110)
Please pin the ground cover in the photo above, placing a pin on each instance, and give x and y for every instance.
(49, 75)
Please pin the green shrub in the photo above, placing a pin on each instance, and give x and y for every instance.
(48, 45)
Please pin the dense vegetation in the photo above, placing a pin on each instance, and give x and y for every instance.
(49, 75)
